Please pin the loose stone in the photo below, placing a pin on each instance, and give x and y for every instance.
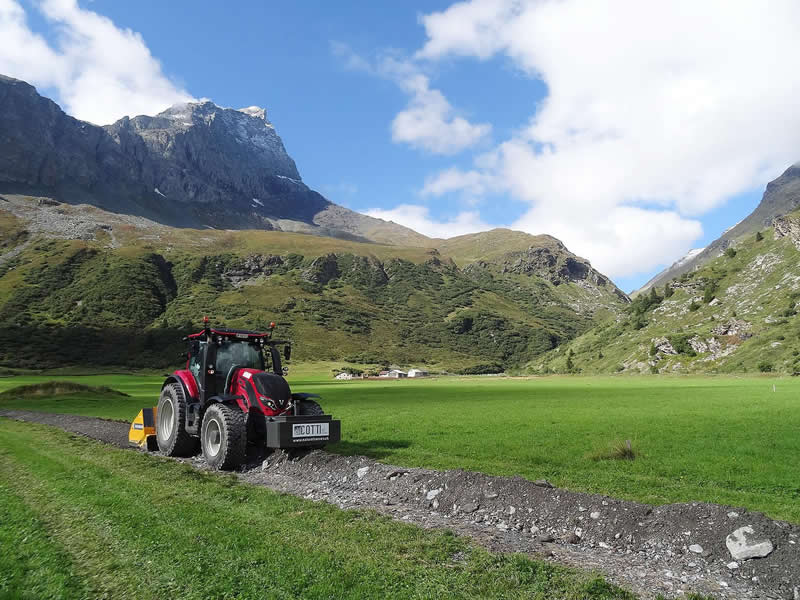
(744, 543)
(433, 493)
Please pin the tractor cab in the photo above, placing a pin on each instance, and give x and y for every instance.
(214, 358)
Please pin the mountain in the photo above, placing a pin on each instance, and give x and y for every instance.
(735, 313)
(781, 197)
(116, 240)
(81, 286)
(193, 165)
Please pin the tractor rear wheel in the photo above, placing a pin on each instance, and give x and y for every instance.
(223, 437)
(171, 434)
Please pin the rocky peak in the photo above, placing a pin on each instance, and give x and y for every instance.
(255, 111)
(195, 164)
(238, 139)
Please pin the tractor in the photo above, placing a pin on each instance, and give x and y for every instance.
(232, 393)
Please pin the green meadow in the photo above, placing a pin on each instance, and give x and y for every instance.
(726, 440)
(82, 520)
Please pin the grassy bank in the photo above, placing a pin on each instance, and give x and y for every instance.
(725, 440)
(82, 520)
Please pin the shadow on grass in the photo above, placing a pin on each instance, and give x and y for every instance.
(376, 449)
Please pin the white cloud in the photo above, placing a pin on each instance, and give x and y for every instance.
(656, 113)
(473, 183)
(419, 219)
(617, 241)
(100, 72)
(429, 122)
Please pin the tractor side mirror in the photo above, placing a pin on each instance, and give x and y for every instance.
(287, 352)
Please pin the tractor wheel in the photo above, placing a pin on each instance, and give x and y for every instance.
(171, 434)
(223, 437)
(309, 408)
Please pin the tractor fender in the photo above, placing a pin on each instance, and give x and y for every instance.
(187, 382)
(232, 400)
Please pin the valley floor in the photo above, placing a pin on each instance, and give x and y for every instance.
(677, 550)
(726, 440)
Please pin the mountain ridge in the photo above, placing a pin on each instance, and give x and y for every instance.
(193, 165)
(341, 299)
(781, 197)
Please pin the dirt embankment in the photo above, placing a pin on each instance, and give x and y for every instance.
(672, 549)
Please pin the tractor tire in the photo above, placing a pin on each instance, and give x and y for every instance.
(171, 434)
(223, 437)
(309, 408)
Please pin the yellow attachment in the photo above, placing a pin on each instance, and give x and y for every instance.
(143, 430)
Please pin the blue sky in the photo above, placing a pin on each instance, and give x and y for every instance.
(456, 117)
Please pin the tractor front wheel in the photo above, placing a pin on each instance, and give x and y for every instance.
(223, 437)
(309, 408)
(171, 434)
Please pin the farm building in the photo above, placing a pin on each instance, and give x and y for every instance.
(417, 373)
(344, 376)
(395, 374)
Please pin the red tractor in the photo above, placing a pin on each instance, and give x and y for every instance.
(231, 393)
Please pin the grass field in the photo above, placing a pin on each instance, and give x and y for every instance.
(79, 519)
(725, 440)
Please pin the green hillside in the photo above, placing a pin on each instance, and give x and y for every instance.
(738, 313)
(82, 302)
(492, 245)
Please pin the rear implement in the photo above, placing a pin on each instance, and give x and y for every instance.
(143, 430)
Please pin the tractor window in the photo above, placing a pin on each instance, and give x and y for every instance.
(195, 359)
(242, 354)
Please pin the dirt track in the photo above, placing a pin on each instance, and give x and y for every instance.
(643, 548)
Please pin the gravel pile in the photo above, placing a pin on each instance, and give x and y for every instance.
(671, 550)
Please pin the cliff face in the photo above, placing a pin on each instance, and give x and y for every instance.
(227, 164)
(193, 165)
(788, 226)
(42, 146)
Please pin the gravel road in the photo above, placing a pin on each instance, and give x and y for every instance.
(672, 549)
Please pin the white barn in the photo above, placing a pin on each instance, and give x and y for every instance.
(417, 373)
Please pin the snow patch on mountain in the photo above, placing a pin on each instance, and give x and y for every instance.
(255, 111)
(689, 256)
(732, 226)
